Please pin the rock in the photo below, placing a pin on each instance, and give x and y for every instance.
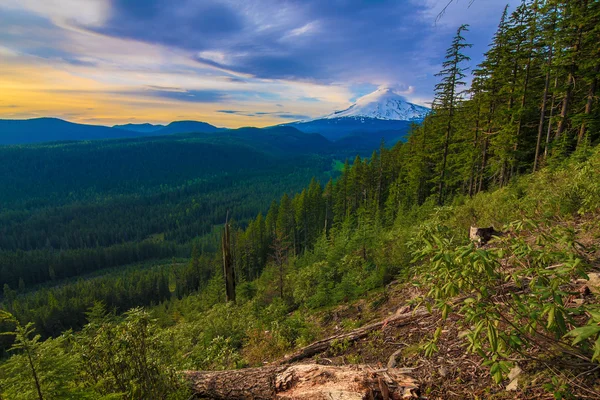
(514, 373)
(513, 376)
(392, 361)
(594, 282)
(512, 386)
(443, 371)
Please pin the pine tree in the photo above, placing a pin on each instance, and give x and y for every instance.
(448, 97)
(38, 369)
(549, 17)
(488, 82)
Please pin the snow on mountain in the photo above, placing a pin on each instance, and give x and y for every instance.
(384, 104)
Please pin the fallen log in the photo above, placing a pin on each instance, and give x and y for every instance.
(303, 382)
(324, 344)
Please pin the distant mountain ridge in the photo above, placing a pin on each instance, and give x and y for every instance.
(41, 130)
(188, 127)
(144, 128)
(383, 114)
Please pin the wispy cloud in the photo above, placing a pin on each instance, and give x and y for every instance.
(260, 114)
(153, 57)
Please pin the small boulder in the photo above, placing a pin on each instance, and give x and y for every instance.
(594, 283)
(482, 235)
(513, 376)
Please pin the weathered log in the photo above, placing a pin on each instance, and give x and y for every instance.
(303, 382)
(324, 344)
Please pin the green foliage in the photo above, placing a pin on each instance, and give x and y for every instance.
(338, 347)
(510, 297)
(126, 356)
(588, 335)
(39, 370)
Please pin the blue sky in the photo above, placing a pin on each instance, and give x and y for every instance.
(232, 63)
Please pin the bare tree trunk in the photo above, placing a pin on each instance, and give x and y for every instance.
(550, 118)
(562, 124)
(228, 271)
(491, 112)
(588, 104)
(541, 123)
(324, 344)
(472, 178)
(566, 102)
(280, 257)
(303, 382)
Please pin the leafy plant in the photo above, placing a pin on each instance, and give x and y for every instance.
(510, 296)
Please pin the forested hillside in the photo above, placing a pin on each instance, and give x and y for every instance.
(518, 150)
(72, 209)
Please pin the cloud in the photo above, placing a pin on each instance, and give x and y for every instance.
(351, 41)
(259, 114)
(194, 96)
(309, 57)
(185, 24)
(88, 12)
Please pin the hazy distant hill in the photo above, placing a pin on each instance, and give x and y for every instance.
(336, 129)
(276, 139)
(188, 126)
(39, 130)
(125, 165)
(143, 128)
(53, 129)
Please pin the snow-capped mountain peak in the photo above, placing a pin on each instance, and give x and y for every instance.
(385, 104)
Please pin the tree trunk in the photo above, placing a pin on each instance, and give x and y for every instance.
(472, 178)
(490, 118)
(566, 102)
(550, 118)
(544, 101)
(520, 123)
(35, 377)
(588, 104)
(324, 344)
(228, 266)
(444, 160)
(483, 164)
(423, 165)
(303, 382)
(541, 123)
(562, 124)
